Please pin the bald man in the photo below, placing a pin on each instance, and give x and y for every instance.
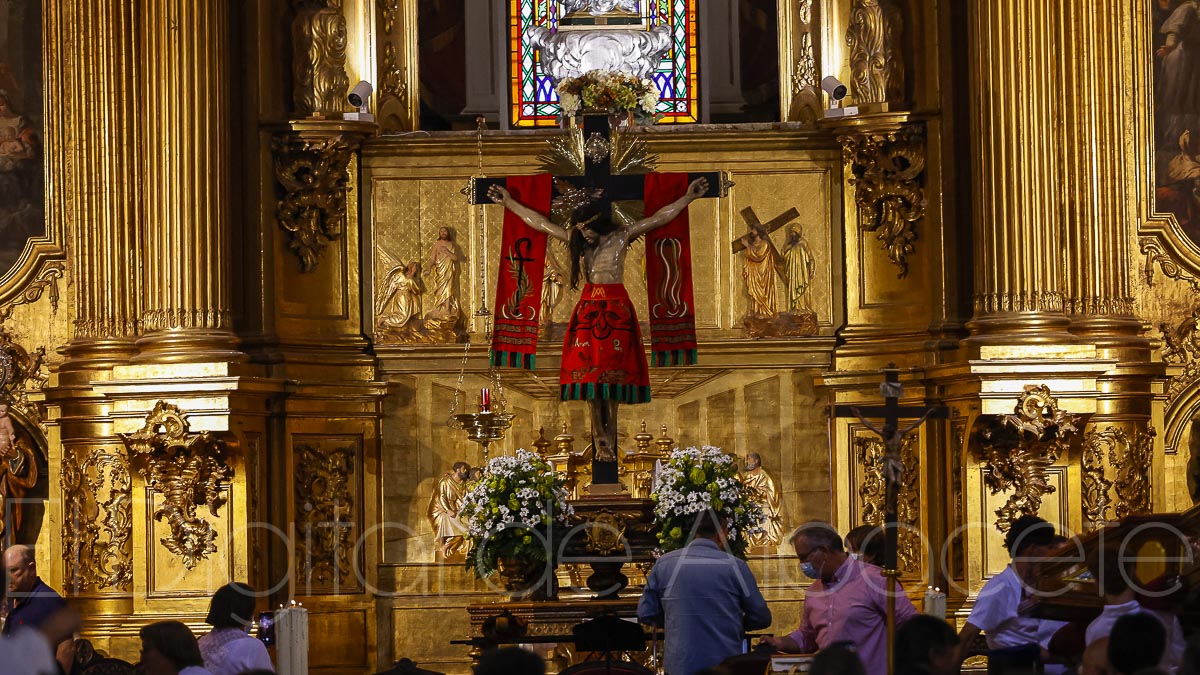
(30, 601)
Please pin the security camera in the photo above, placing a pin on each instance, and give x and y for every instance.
(831, 85)
(358, 98)
(837, 91)
(362, 91)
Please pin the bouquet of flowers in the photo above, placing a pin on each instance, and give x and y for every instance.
(607, 91)
(511, 512)
(695, 480)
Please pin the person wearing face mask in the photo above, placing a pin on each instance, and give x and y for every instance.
(228, 649)
(865, 543)
(847, 601)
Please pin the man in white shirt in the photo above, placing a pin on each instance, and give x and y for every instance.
(1114, 579)
(1029, 538)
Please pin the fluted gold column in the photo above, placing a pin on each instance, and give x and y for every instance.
(188, 150)
(1018, 223)
(1119, 438)
(92, 152)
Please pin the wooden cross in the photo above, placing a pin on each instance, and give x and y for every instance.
(893, 438)
(767, 228)
(598, 173)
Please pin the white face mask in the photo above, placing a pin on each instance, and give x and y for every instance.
(854, 555)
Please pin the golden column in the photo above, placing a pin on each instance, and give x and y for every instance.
(92, 151)
(1099, 209)
(188, 165)
(1015, 148)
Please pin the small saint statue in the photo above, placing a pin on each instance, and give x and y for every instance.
(603, 360)
(18, 474)
(444, 505)
(766, 493)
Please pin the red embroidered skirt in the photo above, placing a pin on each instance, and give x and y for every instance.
(603, 357)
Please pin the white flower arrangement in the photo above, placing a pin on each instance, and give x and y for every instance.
(695, 480)
(512, 511)
(607, 91)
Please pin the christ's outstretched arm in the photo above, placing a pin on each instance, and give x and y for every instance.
(532, 218)
(667, 213)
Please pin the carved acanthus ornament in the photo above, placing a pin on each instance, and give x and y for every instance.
(872, 492)
(1097, 500)
(311, 170)
(97, 524)
(1018, 450)
(326, 503)
(1133, 457)
(188, 470)
(319, 58)
(46, 282)
(876, 57)
(888, 165)
(391, 78)
(21, 374)
(1181, 347)
(1156, 257)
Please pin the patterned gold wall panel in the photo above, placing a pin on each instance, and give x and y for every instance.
(809, 478)
(719, 421)
(167, 576)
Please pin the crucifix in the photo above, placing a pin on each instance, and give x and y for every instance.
(604, 361)
(893, 440)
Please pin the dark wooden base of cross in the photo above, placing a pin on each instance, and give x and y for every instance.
(617, 187)
(891, 412)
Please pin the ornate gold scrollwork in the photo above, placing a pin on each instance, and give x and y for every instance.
(1018, 450)
(1181, 346)
(391, 78)
(1097, 501)
(606, 531)
(326, 503)
(311, 170)
(888, 165)
(1133, 471)
(46, 282)
(22, 373)
(98, 521)
(873, 487)
(319, 58)
(188, 470)
(876, 58)
(1156, 257)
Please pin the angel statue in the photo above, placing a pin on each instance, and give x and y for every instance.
(400, 300)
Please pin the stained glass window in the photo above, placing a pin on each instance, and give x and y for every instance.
(534, 102)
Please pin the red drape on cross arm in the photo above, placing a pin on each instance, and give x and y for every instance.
(669, 275)
(521, 269)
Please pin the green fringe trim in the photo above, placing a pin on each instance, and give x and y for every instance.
(676, 357)
(507, 359)
(590, 391)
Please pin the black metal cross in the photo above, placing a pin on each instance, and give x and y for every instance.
(891, 412)
(598, 172)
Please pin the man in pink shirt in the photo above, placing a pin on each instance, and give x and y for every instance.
(847, 602)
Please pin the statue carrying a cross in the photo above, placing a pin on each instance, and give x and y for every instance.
(603, 359)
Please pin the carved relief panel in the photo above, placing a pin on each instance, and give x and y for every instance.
(327, 488)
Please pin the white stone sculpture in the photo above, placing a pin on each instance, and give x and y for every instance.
(568, 54)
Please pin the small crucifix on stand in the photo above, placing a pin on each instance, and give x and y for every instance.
(604, 362)
(891, 412)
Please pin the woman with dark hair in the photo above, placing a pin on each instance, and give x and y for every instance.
(169, 648)
(865, 543)
(228, 649)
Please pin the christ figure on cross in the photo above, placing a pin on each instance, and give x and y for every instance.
(603, 359)
(893, 463)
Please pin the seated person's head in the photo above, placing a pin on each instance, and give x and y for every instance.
(168, 647)
(866, 541)
(510, 661)
(1028, 538)
(232, 606)
(839, 658)
(1095, 659)
(1137, 641)
(925, 644)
